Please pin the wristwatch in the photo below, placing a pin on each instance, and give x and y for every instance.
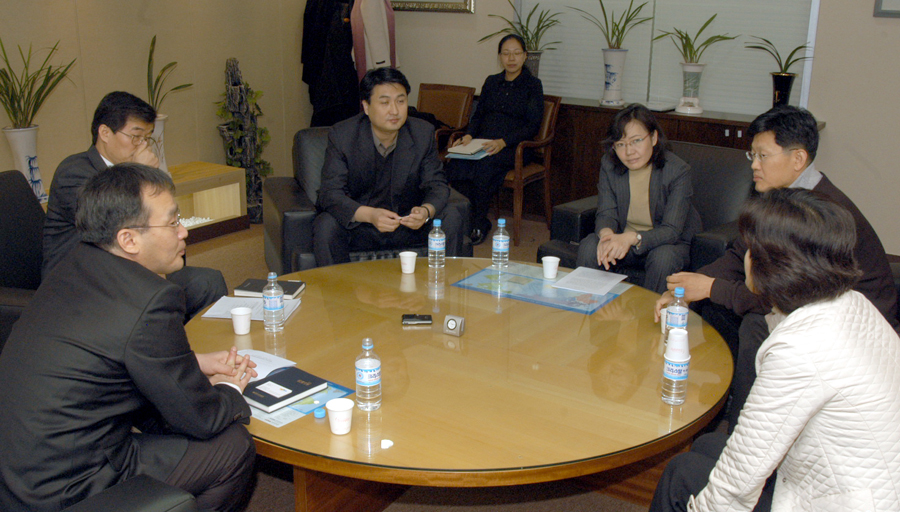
(639, 240)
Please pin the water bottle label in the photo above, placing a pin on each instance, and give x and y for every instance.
(676, 371)
(437, 244)
(368, 376)
(676, 319)
(273, 303)
(501, 244)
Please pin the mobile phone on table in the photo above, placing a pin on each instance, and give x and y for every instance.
(410, 319)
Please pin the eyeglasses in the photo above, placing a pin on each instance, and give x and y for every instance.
(517, 54)
(174, 224)
(137, 140)
(619, 146)
(759, 156)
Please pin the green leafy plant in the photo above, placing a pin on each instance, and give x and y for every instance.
(155, 94)
(23, 95)
(767, 45)
(236, 127)
(688, 46)
(531, 34)
(615, 30)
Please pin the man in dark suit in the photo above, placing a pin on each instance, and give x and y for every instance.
(121, 131)
(382, 181)
(101, 350)
(784, 144)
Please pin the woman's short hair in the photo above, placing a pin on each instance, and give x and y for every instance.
(641, 114)
(507, 37)
(801, 247)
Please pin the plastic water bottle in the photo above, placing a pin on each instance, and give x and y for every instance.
(437, 246)
(675, 372)
(677, 312)
(500, 249)
(273, 304)
(368, 378)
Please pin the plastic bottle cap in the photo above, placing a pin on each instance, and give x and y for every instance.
(367, 343)
(319, 412)
(677, 348)
(679, 292)
(501, 222)
(273, 275)
(437, 223)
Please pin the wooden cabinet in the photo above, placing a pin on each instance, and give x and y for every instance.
(211, 191)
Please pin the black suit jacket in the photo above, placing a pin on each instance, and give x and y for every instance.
(60, 236)
(100, 349)
(348, 178)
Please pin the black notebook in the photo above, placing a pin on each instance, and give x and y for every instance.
(254, 288)
(282, 387)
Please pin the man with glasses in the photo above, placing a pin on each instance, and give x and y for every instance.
(106, 385)
(785, 140)
(121, 132)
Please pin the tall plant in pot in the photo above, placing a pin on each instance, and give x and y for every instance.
(614, 30)
(691, 49)
(22, 96)
(532, 30)
(783, 79)
(155, 96)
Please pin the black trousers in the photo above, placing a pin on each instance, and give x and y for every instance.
(202, 287)
(658, 263)
(744, 335)
(688, 473)
(333, 243)
(217, 471)
(480, 180)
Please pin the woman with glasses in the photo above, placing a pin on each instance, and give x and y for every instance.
(509, 111)
(645, 220)
(825, 405)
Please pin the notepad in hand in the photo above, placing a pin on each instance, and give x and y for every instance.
(254, 288)
(473, 147)
(282, 387)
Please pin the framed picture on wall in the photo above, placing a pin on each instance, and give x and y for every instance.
(450, 6)
(887, 9)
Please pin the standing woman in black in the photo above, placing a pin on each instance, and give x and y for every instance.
(509, 111)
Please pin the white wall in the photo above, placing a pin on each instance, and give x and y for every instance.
(854, 90)
(110, 40)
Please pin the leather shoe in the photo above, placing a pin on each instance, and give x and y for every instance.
(476, 236)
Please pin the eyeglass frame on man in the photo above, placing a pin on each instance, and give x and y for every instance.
(759, 156)
(175, 224)
(143, 138)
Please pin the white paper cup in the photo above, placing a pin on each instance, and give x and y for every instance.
(340, 414)
(551, 265)
(240, 317)
(408, 262)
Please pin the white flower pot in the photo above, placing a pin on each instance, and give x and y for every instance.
(23, 142)
(690, 96)
(159, 128)
(614, 67)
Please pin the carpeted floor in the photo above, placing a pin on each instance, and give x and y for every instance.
(240, 255)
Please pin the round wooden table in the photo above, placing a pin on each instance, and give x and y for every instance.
(529, 393)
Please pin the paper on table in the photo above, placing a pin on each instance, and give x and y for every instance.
(222, 308)
(265, 362)
(588, 280)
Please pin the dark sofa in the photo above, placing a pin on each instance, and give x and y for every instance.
(289, 208)
(722, 181)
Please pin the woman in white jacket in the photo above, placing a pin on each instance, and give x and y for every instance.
(825, 408)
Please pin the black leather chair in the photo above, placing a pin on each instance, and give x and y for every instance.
(722, 181)
(289, 208)
(21, 246)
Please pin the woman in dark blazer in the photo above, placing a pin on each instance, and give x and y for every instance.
(645, 219)
(509, 111)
